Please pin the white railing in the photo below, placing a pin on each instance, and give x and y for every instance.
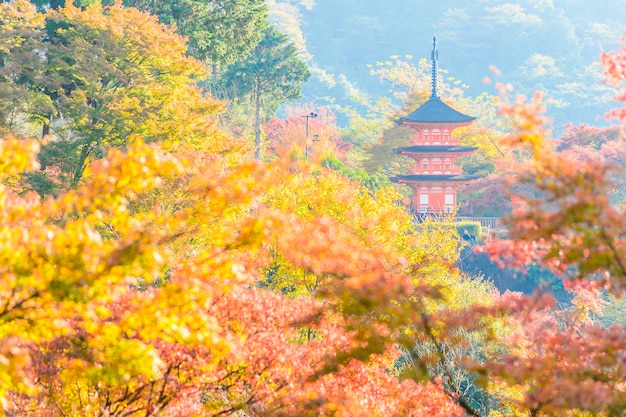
(489, 222)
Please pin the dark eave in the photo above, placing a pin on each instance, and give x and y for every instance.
(442, 178)
(435, 149)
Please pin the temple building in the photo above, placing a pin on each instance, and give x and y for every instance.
(435, 178)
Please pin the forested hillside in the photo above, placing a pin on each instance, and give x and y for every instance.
(191, 225)
(549, 45)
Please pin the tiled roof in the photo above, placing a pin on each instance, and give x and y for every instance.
(398, 178)
(435, 148)
(436, 111)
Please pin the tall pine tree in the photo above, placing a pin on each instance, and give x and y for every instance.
(270, 75)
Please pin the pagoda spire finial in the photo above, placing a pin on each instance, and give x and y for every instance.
(434, 57)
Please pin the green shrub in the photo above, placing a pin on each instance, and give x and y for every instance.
(467, 228)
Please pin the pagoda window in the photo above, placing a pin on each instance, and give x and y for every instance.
(449, 201)
(436, 136)
(423, 200)
(424, 163)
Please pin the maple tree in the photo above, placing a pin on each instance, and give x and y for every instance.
(220, 32)
(324, 135)
(605, 145)
(20, 40)
(205, 247)
(218, 341)
(563, 362)
(136, 290)
(106, 73)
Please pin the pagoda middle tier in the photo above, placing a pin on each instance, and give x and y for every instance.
(435, 159)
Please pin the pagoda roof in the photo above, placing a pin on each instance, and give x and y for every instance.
(436, 111)
(442, 178)
(435, 149)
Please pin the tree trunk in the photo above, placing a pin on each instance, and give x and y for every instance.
(80, 168)
(257, 120)
(45, 131)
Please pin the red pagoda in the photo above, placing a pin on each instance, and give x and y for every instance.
(434, 178)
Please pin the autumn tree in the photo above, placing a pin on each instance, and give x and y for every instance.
(220, 33)
(234, 347)
(21, 69)
(95, 75)
(52, 283)
(283, 134)
(138, 290)
(142, 288)
(564, 363)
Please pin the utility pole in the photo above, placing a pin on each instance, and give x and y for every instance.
(306, 138)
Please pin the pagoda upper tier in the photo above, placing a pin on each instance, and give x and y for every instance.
(436, 111)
